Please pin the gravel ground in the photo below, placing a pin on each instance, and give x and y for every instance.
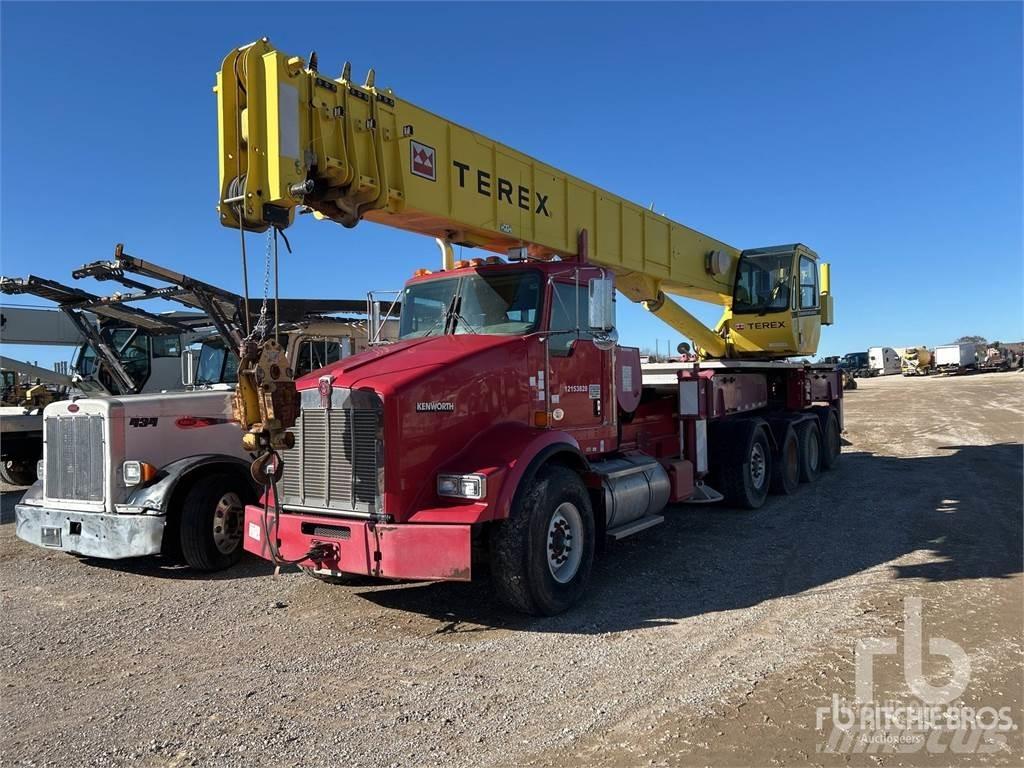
(707, 640)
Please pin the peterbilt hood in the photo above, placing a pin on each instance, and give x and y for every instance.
(392, 366)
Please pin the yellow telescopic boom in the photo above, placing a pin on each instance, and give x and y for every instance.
(292, 137)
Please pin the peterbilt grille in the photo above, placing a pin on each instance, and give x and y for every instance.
(334, 464)
(74, 457)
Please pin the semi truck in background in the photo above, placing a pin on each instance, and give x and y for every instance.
(883, 361)
(163, 472)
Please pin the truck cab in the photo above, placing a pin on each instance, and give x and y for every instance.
(506, 396)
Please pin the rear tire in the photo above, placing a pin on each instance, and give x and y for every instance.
(810, 450)
(212, 517)
(786, 466)
(832, 444)
(745, 482)
(542, 555)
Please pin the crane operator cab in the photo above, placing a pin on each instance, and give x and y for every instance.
(780, 301)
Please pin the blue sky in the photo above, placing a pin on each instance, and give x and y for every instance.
(886, 136)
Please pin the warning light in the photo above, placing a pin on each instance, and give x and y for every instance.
(421, 272)
(461, 264)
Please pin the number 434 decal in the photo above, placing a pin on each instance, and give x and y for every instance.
(142, 421)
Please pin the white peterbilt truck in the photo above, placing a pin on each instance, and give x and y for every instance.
(161, 473)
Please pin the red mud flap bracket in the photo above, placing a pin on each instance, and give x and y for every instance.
(412, 551)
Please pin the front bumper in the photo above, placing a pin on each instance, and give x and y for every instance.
(411, 551)
(95, 534)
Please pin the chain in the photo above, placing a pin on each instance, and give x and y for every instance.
(260, 328)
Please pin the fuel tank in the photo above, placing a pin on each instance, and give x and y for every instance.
(634, 487)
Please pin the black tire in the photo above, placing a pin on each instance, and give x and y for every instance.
(786, 465)
(832, 443)
(746, 479)
(17, 472)
(520, 545)
(810, 450)
(210, 497)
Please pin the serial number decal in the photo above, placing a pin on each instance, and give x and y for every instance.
(435, 407)
(576, 388)
(142, 421)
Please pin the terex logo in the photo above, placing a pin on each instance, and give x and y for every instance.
(762, 326)
(504, 189)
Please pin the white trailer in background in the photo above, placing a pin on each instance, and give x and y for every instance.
(883, 361)
(956, 358)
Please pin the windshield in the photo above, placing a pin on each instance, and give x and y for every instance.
(129, 344)
(216, 365)
(854, 360)
(762, 283)
(498, 303)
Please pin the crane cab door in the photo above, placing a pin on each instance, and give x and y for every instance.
(578, 390)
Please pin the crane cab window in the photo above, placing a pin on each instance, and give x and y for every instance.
(570, 313)
(808, 284)
(315, 354)
(762, 283)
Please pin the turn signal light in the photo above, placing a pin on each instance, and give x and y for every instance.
(540, 418)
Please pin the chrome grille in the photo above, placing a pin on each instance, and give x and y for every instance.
(74, 457)
(335, 462)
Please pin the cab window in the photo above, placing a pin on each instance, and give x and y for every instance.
(808, 284)
(570, 313)
(315, 354)
(167, 346)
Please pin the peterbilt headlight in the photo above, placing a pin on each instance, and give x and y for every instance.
(462, 486)
(137, 472)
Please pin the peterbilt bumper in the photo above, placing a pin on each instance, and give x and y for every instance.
(95, 534)
(395, 551)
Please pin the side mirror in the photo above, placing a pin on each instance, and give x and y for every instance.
(602, 304)
(189, 360)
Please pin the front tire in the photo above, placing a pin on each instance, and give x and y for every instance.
(212, 518)
(542, 555)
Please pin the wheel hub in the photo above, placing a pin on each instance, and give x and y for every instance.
(227, 522)
(757, 465)
(565, 542)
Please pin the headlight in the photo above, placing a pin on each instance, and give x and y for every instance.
(137, 472)
(462, 486)
(40, 468)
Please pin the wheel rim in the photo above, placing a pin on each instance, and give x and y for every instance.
(565, 542)
(757, 465)
(227, 522)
